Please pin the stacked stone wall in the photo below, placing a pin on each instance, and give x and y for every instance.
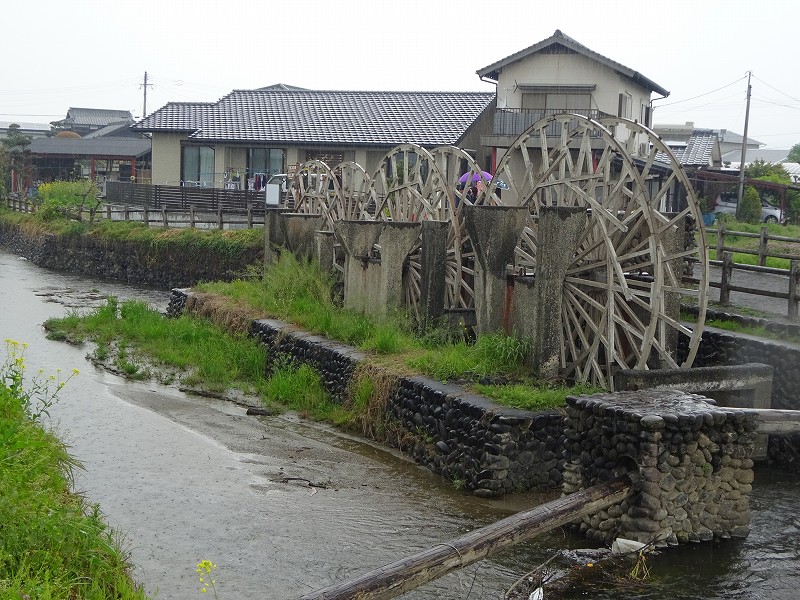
(488, 449)
(720, 348)
(134, 262)
(688, 460)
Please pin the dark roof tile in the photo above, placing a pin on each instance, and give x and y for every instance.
(326, 117)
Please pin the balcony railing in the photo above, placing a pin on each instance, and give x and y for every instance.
(513, 121)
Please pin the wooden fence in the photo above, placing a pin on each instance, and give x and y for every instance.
(182, 198)
(764, 238)
(726, 285)
(192, 218)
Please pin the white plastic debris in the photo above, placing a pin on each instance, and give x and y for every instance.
(537, 594)
(622, 546)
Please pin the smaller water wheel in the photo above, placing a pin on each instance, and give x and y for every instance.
(624, 286)
(315, 190)
(409, 187)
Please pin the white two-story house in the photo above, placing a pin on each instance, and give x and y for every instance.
(560, 75)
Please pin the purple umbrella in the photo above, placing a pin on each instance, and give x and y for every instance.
(476, 177)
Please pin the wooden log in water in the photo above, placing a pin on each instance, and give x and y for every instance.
(404, 575)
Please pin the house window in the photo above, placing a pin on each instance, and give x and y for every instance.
(197, 166)
(265, 160)
(625, 106)
(645, 115)
(556, 102)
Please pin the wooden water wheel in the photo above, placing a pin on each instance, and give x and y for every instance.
(409, 187)
(315, 190)
(625, 283)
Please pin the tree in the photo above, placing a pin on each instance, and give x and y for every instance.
(767, 171)
(794, 154)
(13, 156)
(750, 206)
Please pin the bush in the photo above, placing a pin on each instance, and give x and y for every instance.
(750, 207)
(68, 199)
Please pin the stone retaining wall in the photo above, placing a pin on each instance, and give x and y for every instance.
(135, 262)
(688, 460)
(718, 348)
(488, 449)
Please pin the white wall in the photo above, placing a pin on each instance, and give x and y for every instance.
(167, 158)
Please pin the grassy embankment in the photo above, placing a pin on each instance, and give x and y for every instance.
(140, 343)
(53, 544)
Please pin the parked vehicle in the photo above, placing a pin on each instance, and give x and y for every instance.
(727, 203)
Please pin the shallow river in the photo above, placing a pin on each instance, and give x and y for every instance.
(186, 479)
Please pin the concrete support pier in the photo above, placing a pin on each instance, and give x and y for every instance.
(361, 269)
(396, 241)
(560, 229)
(274, 234)
(689, 460)
(298, 229)
(495, 232)
(433, 271)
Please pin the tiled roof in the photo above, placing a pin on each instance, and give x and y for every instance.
(697, 151)
(326, 117)
(730, 137)
(120, 129)
(493, 70)
(105, 147)
(96, 116)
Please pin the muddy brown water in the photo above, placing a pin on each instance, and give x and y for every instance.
(185, 478)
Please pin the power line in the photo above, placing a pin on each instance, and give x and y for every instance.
(776, 89)
(701, 95)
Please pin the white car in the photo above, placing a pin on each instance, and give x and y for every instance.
(726, 204)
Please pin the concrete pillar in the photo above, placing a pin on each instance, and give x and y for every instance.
(298, 229)
(361, 271)
(396, 241)
(273, 234)
(433, 271)
(560, 229)
(324, 253)
(494, 232)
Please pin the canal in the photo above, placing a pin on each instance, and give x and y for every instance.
(184, 478)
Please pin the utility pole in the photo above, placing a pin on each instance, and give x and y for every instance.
(744, 145)
(144, 86)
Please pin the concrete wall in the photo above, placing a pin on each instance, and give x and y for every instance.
(167, 158)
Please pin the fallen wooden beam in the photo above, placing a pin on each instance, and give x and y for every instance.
(399, 577)
(775, 421)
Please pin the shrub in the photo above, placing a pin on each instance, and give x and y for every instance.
(750, 207)
(68, 199)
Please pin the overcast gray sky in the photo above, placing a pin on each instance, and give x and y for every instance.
(93, 53)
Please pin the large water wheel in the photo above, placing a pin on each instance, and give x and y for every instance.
(625, 283)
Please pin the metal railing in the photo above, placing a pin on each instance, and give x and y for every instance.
(513, 121)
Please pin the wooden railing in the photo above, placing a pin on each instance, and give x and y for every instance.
(192, 218)
(726, 285)
(764, 238)
(181, 198)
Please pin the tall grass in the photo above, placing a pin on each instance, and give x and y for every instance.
(300, 292)
(202, 350)
(53, 544)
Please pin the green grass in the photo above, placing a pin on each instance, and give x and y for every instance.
(734, 241)
(53, 544)
(141, 336)
(533, 397)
